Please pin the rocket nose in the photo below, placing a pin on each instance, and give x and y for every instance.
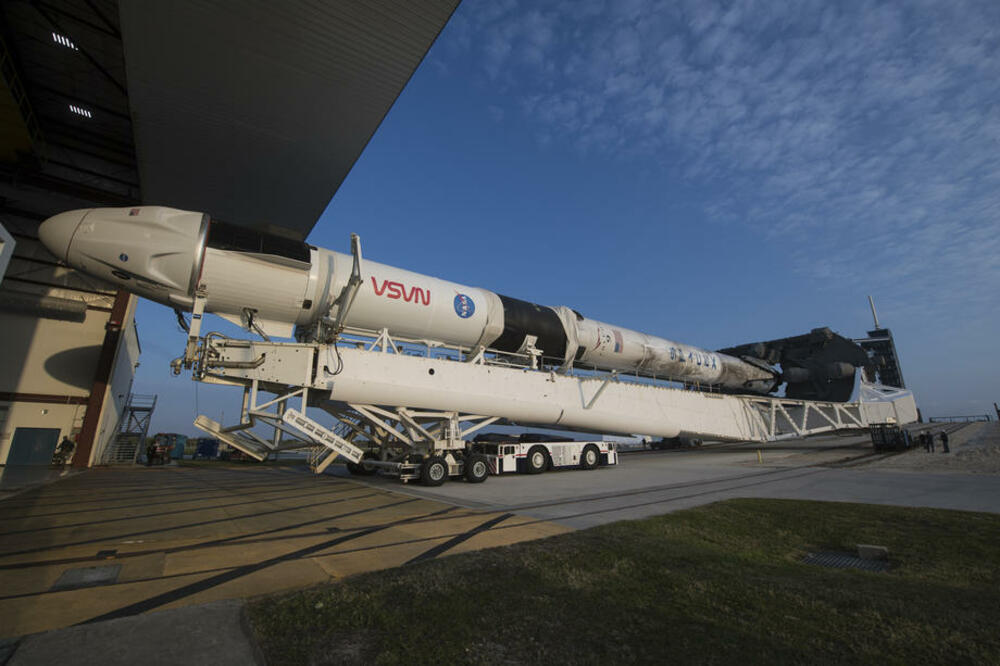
(57, 231)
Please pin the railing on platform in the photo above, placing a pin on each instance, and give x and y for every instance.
(385, 342)
(130, 437)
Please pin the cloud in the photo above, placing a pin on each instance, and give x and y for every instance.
(867, 130)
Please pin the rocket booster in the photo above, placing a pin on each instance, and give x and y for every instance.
(288, 286)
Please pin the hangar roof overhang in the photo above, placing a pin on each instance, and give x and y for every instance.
(64, 117)
(250, 110)
(255, 111)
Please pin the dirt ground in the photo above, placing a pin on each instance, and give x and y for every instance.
(975, 449)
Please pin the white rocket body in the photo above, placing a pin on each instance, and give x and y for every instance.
(166, 255)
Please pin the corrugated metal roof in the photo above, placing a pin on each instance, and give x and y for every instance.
(255, 111)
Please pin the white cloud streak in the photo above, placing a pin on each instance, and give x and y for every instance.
(865, 134)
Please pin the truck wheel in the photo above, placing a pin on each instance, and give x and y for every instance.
(434, 471)
(476, 468)
(590, 458)
(537, 460)
(362, 468)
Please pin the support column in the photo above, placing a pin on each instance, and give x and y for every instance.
(102, 377)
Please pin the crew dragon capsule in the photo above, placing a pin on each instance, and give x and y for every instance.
(282, 287)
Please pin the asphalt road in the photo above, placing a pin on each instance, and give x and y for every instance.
(646, 483)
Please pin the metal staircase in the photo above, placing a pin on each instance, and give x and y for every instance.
(319, 456)
(132, 430)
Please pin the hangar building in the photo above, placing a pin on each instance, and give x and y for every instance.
(251, 111)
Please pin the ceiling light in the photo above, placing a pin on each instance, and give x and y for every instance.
(64, 41)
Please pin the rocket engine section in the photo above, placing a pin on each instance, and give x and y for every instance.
(819, 365)
(274, 284)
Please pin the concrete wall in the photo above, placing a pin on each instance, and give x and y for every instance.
(48, 356)
(67, 418)
(44, 357)
(48, 363)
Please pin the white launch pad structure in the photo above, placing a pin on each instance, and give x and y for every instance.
(397, 403)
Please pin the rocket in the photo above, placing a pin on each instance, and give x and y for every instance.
(283, 288)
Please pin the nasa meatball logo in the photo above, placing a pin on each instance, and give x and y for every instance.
(464, 307)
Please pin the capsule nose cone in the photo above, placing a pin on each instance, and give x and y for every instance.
(57, 231)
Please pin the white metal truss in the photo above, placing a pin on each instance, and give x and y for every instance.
(284, 420)
(392, 402)
(784, 419)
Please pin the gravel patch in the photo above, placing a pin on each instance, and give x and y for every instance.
(975, 449)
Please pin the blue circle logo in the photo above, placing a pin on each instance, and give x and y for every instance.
(123, 257)
(464, 307)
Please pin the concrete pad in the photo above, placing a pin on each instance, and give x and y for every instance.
(504, 535)
(231, 555)
(647, 483)
(366, 556)
(446, 526)
(29, 581)
(142, 567)
(54, 610)
(187, 535)
(184, 535)
(280, 577)
(15, 479)
(216, 634)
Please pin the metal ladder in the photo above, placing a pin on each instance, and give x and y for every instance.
(132, 430)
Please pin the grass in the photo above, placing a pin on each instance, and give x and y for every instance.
(720, 583)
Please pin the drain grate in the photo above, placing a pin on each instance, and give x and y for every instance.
(72, 579)
(837, 560)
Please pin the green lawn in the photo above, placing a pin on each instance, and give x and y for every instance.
(720, 583)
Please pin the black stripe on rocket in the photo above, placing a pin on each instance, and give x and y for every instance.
(521, 319)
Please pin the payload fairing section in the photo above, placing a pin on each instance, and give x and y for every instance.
(282, 287)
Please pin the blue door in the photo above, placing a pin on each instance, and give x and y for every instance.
(33, 446)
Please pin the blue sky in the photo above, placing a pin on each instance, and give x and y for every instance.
(714, 173)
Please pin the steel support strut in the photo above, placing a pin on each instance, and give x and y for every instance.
(395, 405)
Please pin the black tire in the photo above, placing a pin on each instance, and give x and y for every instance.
(434, 471)
(537, 460)
(361, 469)
(477, 468)
(590, 458)
(367, 470)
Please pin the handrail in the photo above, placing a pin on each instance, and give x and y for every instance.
(495, 357)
